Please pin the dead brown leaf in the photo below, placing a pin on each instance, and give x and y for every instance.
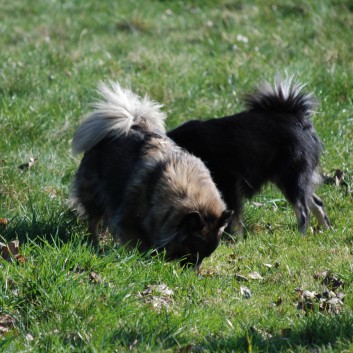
(7, 323)
(94, 277)
(332, 306)
(3, 223)
(337, 179)
(326, 301)
(10, 252)
(307, 301)
(330, 280)
(20, 259)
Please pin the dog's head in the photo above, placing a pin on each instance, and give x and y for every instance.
(197, 237)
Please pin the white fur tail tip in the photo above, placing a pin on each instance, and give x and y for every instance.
(285, 95)
(115, 114)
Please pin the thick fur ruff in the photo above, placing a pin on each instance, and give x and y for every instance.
(150, 192)
(273, 140)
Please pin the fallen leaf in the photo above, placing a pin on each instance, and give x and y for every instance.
(271, 266)
(94, 277)
(326, 301)
(255, 275)
(3, 222)
(308, 294)
(337, 179)
(9, 251)
(158, 296)
(333, 282)
(332, 306)
(21, 259)
(28, 165)
(321, 275)
(6, 323)
(240, 278)
(340, 296)
(158, 288)
(245, 292)
(330, 280)
(29, 337)
(268, 265)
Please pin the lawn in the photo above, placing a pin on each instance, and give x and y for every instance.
(274, 291)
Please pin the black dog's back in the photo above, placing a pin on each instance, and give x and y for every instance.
(272, 141)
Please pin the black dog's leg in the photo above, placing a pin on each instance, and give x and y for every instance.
(302, 212)
(234, 200)
(297, 190)
(317, 208)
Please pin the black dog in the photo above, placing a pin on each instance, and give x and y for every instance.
(273, 140)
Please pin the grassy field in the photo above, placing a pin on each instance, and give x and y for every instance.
(266, 293)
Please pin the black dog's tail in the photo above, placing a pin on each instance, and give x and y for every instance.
(285, 96)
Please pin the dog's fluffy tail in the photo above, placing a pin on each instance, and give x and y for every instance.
(115, 114)
(285, 96)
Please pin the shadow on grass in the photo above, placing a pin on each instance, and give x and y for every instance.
(58, 226)
(317, 332)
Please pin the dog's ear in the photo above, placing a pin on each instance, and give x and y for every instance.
(225, 218)
(193, 221)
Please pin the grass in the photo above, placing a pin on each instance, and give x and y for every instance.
(197, 58)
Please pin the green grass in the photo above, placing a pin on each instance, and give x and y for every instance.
(197, 58)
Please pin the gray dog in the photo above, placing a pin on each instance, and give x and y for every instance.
(150, 192)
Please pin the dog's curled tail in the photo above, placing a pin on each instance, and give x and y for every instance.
(285, 96)
(115, 114)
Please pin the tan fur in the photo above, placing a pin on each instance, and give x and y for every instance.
(150, 192)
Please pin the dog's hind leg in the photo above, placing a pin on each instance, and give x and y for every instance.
(302, 212)
(296, 190)
(317, 208)
(234, 200)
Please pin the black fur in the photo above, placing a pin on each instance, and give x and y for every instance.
(273, 140)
